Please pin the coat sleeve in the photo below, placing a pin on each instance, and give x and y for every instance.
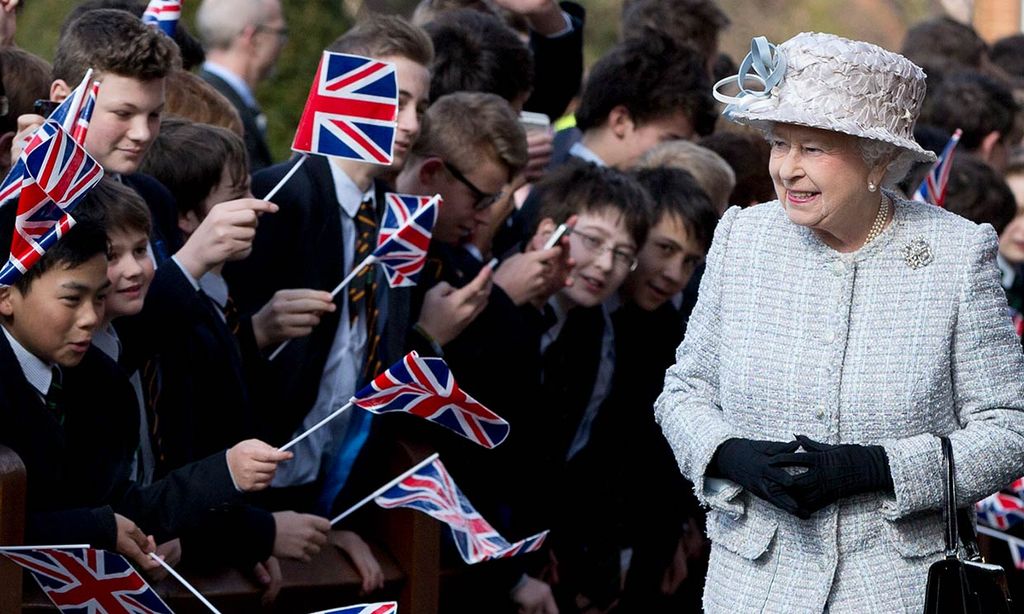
(688, 409)
(987, 373)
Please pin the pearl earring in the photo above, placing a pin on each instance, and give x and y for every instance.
(871, 186)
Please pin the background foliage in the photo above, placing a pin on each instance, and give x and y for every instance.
(315, 23)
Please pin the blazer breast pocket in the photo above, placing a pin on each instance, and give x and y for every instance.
(917, 536)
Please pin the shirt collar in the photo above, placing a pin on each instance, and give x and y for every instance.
(37, 372)
(581, 151)
(214, 286)
(107, 341)
(234, 81)
(347, 192)
(1007, 272)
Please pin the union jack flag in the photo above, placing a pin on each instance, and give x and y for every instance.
(352, 110)
(1000, 511)
(386, 607)
(432, 491)
(89, 581)
(425, 387)
(933, 187)
(404, 236)
(73, 114)
(1017, 552)
(59, 173)
(163, 14)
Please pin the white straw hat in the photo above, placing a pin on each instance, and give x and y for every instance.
(829, 82)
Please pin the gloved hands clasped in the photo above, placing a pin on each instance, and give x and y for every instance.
(825, 473)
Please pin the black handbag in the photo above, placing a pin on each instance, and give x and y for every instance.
(962, 582)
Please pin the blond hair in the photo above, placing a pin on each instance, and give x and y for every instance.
(712, 172)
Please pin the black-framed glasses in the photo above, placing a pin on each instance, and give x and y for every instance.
(483, 199)
(621, 258)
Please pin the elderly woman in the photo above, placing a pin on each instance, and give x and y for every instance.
(840, 331)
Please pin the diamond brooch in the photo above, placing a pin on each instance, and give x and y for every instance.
(917, 253)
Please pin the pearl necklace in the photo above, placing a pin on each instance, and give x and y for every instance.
(880, 219)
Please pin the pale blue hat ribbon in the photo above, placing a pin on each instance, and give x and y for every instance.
(769, 65)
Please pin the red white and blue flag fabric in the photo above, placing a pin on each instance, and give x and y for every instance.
(73, 114)
(386, 607)
(163, 14)
(1000, 511)
(425, 387)
(404, 236)
(432, 491)
(933, 187)
(352, 110)
(58, 174)
(89, 581)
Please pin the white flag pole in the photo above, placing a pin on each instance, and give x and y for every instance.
(310, 430)
(61, 547)
(280, 184)
(369, 260)
(184, 583)
(377, 492)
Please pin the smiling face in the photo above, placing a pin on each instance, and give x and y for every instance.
(603, 250)
(56, 318)
(665, 264)
(129, 269)
(125, 122)
(821, 179)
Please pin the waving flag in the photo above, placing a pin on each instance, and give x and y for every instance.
(352, 110)
(86, 580)
(432, 491)
(933, 187)
(58, 174)
(404, 237)
(73, 114)
(387, 607)
(425, 387)
(1000, 511)
(163, 14)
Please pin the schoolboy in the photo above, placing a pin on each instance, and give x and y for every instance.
(312, 243)
(69, 413)
(648, 328)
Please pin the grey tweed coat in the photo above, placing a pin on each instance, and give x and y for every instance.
(901, 341)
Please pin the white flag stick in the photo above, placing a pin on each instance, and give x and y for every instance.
(280, 184)
(178, 577)
(997, 534)
(61, 547)
(310, 430)
(377, 492)
(368, 261)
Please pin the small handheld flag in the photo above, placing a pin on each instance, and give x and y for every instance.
(386, 607)
(351, 111)
(432, 491)
(404, 236)
(73, 114)
(1000, 511)
(58, 174)
(163, 14)
(83, 579)
(933, 187)
(425, 387)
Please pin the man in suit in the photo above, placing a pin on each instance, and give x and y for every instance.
(243, 39)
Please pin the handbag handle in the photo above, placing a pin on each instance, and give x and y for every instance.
(959, 527)
(949, 510)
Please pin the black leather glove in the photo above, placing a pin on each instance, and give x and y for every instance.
(748, 462)
(834, 472)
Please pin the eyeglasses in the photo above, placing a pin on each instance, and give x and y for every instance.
(621, 258)
(483, 199)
